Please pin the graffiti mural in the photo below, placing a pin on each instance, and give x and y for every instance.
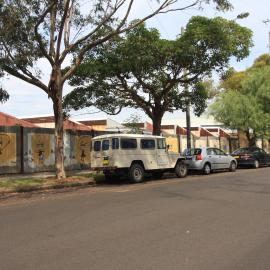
(40, 148)
(82, 150)
(7, 149)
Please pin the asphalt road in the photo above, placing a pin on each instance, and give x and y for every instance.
(221, 221)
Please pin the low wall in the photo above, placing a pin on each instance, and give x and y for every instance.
(10, 149)
(28, 150)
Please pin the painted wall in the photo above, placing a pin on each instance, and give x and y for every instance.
(173, 142)
(10, 158)
(32, 150)
(213, 141)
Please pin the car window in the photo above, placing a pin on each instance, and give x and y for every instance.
(97, 146)
(115, 143)
(219, 152)
(192, 152)
(105, 145)
(148, 144)
(127, 143)
(161, 143)
(242, 151)
(256, 151)
(211, 151)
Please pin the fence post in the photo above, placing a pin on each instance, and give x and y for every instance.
(22, 148)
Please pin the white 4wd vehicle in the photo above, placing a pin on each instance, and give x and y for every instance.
(134, 154)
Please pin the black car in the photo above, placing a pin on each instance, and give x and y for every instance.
(251, 156)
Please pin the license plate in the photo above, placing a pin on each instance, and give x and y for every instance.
(105, 162)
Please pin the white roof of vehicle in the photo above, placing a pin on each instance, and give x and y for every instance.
(118, 135)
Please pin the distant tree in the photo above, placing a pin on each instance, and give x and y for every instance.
(133, 123)
(141, 70)
(4, 96)
(244, 103)
(53, 30)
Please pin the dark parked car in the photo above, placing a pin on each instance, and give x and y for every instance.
(251, 156)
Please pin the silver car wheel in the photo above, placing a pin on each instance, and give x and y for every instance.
(207, 169)
(256, 164)
(233, 166)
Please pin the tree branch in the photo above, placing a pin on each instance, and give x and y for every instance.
(61, 29)
(38, 37)
(117, 31)
(134, 96)
(33, 80)
(52, 31)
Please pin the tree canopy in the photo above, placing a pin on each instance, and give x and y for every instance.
(4, 96)
(244, 103)
(53, 30)
(142, 70)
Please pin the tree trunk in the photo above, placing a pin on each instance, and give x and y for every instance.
(251, 139)
(156, 119)
(57, 92)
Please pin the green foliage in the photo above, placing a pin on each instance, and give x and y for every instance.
(142, 70)
(133, 124)
(245, 104)
(4, 96)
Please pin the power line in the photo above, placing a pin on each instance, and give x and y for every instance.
(162, 26)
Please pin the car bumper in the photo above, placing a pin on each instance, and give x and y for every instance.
(194, 165)
(245, 162)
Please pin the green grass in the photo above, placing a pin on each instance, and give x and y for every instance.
(21, 182)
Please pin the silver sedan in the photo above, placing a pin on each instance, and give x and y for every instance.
(207, 159)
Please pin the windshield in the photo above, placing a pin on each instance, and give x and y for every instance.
(243, 151)
(192, 152)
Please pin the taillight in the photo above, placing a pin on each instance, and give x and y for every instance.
(199, 157)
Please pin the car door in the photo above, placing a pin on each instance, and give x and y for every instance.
(259, 155)
(223, 159)
(162, 154)
(212, 158)
(266, 157)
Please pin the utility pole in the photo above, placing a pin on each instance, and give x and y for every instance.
(188, 122)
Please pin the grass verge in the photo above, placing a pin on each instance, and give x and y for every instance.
(34, 184)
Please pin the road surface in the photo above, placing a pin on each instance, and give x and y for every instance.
(220, 221)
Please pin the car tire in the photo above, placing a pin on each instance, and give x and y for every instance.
(136, 173)
(256, 164)
(233, 166)
(181, 169)
(207, 169)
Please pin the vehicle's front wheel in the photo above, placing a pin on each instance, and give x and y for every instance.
(207, 169)
(181, 169)
(256, 164)
(232, 166)
(136, 173)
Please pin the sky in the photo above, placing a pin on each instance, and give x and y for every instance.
(27, 100)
